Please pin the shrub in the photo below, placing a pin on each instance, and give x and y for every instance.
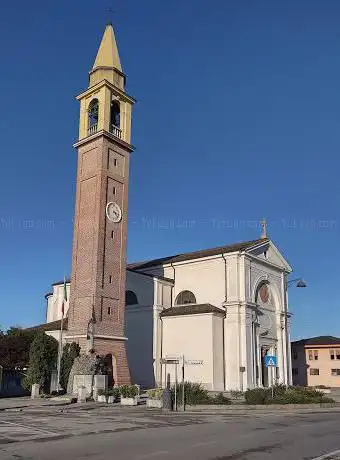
(219, 399)
(283, 395)
(155, 393)
(128, 391)
(113, 391)
(42, 360)
(237, 394)
(70, 352)
(194, 393)
(327, 400)
(257, 396)
(101, 392)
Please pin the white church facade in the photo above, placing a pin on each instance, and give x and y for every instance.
(221, 310)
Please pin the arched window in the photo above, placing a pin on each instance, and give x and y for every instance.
(115, 114)
(185, 297)
(93, 115)
(130, 298)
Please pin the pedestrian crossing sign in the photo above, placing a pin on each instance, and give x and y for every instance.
(270, 361)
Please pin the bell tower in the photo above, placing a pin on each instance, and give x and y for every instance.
(97, 300)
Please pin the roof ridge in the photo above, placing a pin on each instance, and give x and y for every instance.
(200, 253)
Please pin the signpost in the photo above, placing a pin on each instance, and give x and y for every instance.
(271, 361)
(175, 361)
(179, 360)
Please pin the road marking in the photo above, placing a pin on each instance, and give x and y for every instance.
(153, 454)
(200, 444)
(330, 456)
(28, 427)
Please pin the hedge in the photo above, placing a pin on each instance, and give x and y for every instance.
(282, 395)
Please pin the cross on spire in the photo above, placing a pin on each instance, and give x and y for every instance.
(109, 12)
(263, 228)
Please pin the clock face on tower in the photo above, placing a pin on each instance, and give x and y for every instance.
(113, 212)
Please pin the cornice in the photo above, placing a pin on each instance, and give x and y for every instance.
(104, 133)
(102, 83)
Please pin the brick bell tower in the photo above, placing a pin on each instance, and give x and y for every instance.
(97, 299)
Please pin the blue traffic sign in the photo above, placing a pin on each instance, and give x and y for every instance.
(270, 361)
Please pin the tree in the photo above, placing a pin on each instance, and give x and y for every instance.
(70, 352)
(14, 348)
(42, 359)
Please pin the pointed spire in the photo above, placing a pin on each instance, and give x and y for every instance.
(108, 55)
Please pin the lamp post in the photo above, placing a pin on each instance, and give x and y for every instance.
(299, 283)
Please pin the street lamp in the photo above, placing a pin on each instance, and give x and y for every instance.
(299, 283)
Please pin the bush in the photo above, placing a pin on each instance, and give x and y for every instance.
(128, 391)
(237, 394)
(102, 392)
(194, 393)
(283, 395)
(70, 352)
(219, 399)
(113, 391)
(257, 396)
(43, 358)
(155, 393)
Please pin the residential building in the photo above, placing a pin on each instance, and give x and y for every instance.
(316, 361)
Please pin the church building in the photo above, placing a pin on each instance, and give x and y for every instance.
(223, 309)
(218, 311)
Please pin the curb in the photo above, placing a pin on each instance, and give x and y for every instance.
(268, 407)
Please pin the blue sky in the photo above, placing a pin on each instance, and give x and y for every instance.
(237, 118)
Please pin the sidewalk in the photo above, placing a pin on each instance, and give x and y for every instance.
(26, 401)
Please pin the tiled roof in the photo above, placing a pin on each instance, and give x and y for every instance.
(150, 275)
(320, 340)
(52, 326)
(197, 254)
(188, 256)
(192, 309)
(68, 280)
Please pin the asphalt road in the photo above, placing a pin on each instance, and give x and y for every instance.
(138, 434)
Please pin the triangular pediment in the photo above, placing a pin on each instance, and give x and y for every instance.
(267, 251)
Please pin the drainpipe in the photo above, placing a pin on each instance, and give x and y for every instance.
(161, 353)
(173, 286)
(162, 332)
(287, 357)
(223, 326)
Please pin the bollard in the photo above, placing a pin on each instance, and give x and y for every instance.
(167, 399)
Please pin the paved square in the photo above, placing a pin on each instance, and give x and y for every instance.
(104, 433)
